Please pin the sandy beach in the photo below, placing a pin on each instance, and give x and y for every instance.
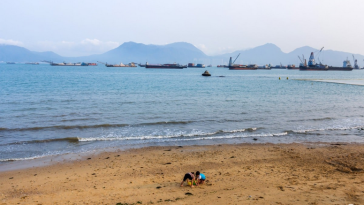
(236, 174)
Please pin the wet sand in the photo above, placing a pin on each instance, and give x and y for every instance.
(236, 174)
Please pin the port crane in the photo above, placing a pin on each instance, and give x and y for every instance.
(102, 62)
(318, 55)
(300, 59)
(355, 63)
(236, 58)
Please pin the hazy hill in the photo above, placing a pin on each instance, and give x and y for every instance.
(140, 53)
(265, 54)
(20, 54)
(270, 53)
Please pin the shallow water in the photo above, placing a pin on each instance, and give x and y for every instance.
(48, 110)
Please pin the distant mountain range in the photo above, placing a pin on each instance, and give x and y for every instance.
(182, 53)
(20, 54)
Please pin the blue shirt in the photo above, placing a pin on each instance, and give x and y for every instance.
(201, 176)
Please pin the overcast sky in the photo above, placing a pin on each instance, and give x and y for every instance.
(83, 27)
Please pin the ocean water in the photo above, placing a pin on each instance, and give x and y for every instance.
(48, 110)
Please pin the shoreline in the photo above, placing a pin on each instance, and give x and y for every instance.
(316, 173)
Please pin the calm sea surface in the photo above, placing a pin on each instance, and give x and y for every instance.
(48, 110)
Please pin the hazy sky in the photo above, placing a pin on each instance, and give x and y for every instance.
(83, 27)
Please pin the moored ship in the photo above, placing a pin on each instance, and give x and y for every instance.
(65, 64)
(32, 63)
(312, 65)
(292, 67)
(233, 66)
(279, 67)
(264, 67)
(68, 64)
(199, 65)
(119, 65)
(346, 67)
(142, 65)
(166, 66)
(10, 62)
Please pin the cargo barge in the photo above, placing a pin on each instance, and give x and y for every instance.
(279, 67)
(233, 66)
(346, 67)
(68, 64)
(119, 65)
(199, 65)
(312, 66)
(166, 66)
(292, 67)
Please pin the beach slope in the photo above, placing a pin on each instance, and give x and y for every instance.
(236, 174)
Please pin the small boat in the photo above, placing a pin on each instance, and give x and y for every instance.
(10, 62)
(209, 65)
(32, 63)
(206, 73)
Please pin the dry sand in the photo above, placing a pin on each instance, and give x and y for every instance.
(236, 174)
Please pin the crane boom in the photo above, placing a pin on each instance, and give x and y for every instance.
(236, 58)
(300, 59)
(102, 62)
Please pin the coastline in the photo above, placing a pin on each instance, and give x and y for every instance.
(304, 173)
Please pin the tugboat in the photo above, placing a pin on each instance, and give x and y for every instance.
(206, 73)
